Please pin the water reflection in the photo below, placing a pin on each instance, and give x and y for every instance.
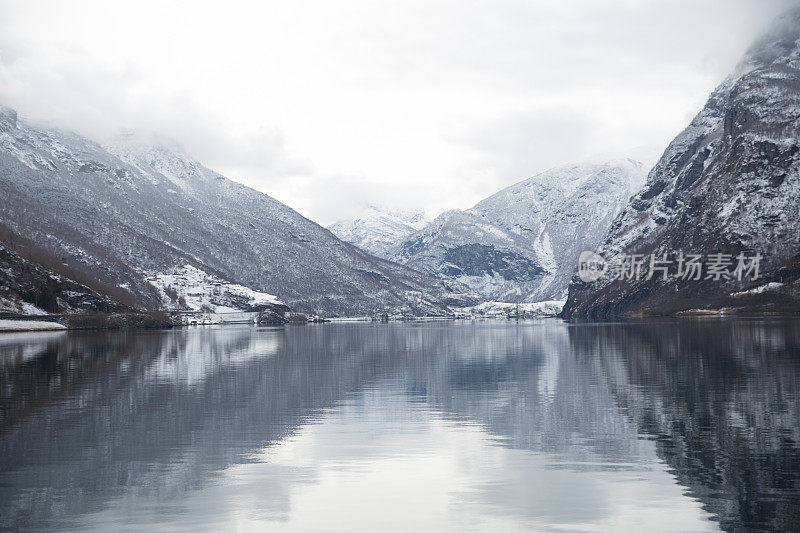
(455, 425)
(722, 402)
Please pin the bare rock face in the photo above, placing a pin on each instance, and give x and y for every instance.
(728, 184)
(126, 212)
(522, 244)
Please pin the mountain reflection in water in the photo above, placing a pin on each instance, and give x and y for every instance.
(532, 425)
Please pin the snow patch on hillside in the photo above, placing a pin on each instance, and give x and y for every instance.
(29, 325)
(191, 289)
(19, 306)
(546, 309)
(760, 289)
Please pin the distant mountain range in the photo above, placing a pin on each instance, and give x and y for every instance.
(519, 245)
(728, 184)
(380, 230)
(132, 210)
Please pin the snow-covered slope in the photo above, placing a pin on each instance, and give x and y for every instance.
(126, 212)
(523, 243)
(380, 230)
(507, 310)
(189, 288)
(29, 325)
(728, 184)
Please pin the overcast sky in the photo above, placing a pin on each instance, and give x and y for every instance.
(329, 104)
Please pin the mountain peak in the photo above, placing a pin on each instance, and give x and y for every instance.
(559, 182)
(415, 217)
(379, 229)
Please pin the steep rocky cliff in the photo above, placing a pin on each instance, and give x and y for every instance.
(729, 184)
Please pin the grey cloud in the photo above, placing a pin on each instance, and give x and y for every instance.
(509, 65)
(101, 101)
(518, 146)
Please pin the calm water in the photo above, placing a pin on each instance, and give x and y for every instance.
(677, 426)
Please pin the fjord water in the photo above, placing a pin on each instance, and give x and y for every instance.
(676, 426)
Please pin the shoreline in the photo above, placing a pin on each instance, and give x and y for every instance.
(17, 326)
(31, 325)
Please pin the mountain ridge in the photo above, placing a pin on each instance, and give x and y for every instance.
(127, 211)
(522, 243)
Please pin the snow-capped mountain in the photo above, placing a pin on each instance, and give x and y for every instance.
(522, 244)
(129, 211)
(380, 230)
(728, 184)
